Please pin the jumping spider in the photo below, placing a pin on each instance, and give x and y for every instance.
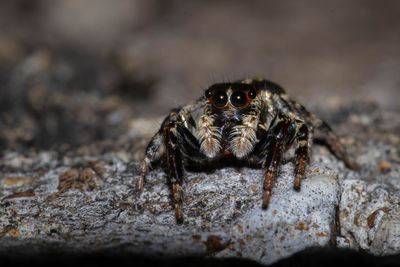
(253, 121)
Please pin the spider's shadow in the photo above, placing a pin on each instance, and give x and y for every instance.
(209, 166)
(220, 163)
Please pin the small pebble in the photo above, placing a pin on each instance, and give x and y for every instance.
(385, 166)
(14, 233)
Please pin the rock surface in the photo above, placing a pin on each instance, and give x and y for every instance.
(76, 202)
(99, 207)
(369, 216)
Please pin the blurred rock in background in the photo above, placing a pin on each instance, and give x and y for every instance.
(79, 71)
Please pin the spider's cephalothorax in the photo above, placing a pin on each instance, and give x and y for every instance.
(252, 120)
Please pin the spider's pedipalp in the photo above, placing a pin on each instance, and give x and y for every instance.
(209, 136)
(244, 136)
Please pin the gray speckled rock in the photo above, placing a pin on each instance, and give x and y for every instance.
(226, 204)
(294, 220)
(370, 217)
(85, 200)
(223, 214)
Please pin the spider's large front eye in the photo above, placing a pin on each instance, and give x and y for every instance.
(238, 99)
(220, 99)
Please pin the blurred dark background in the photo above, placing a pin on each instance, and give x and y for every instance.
(79, 71)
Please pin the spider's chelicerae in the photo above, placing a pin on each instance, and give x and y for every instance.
(252, 120)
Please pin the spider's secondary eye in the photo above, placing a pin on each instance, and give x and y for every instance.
(220, 98)
(208, 93)
(238, 99)
(252, 94)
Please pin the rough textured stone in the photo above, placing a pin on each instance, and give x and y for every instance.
(369, 216)
(223, 215)
(81, 200)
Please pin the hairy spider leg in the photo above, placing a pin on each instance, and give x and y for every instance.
(176, 138)
(175, 168)
(302, 153)
(278, 134)
(152, 153)
(328, 135)
(333, 143)
(180, 143)
(155, 148)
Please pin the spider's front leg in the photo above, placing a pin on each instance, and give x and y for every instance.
(179, 143)
(175, 167)
(176, 139)
(270, 150)
(303, 146)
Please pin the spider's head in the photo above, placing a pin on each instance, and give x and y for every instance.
(231, 96)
